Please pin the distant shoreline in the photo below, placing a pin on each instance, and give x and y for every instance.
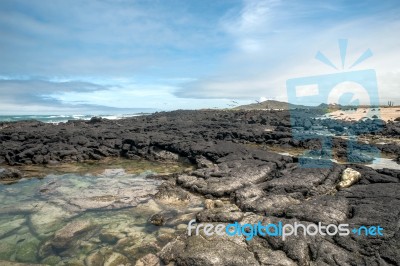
(64, 118)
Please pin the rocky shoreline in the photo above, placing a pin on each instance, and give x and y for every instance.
(261, 185)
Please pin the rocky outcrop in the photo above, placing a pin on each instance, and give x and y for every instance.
(241, 181)
(201, 136)
(295, 194)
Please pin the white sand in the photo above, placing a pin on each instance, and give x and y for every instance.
(384, 113)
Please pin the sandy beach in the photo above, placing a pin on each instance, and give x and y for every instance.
(384, 113)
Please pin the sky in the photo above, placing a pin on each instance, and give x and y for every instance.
(119, 56)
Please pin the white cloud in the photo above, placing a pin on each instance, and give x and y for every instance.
(167, 55)
(140, 96)
(273, 45)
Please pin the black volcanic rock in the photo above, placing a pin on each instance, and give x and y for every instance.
(226, 147)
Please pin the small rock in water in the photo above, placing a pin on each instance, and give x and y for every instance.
(157, 219)
(51, 260)
(9, 174)
(116, 259)
(67, 234)
(94, 259)
(27, 250)
(149, 260)
(45, 250)
(181, 227)
(349, 177)
(172, 194)
(73, 262)
(165, 238)
(108, 237)
(7, 227)
(47, 218)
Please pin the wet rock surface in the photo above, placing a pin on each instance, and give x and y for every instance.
(243, 182)
(9, 174)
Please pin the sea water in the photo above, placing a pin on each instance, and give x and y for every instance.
(64, 118)
(78, 218)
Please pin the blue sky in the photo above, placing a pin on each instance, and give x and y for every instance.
(89, 56)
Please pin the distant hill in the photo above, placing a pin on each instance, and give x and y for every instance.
(270, 104)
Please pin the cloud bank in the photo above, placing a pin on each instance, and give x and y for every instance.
(60, 55)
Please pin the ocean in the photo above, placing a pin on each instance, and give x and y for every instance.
(63, 118)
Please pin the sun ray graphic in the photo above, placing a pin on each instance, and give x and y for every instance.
(343, 52)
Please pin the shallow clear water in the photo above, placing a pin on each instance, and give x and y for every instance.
(85, 219)
(377, 163)
(380, 163)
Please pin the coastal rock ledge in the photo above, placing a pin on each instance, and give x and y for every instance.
(243, 178)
